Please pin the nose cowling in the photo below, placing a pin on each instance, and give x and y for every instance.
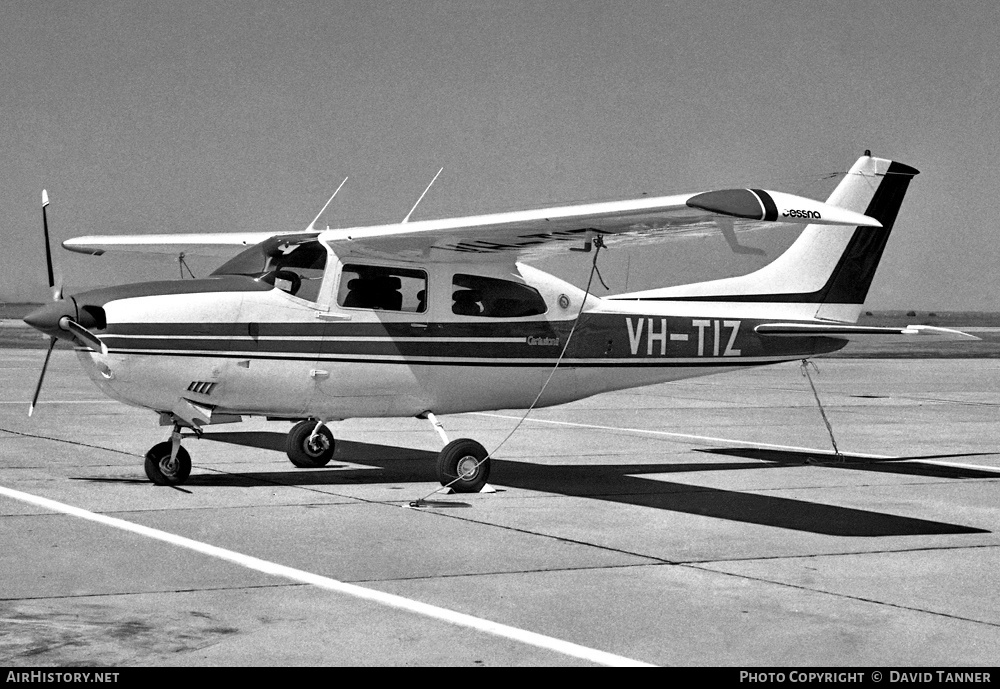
(48, 318)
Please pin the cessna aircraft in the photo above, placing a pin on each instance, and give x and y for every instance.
(443, 316)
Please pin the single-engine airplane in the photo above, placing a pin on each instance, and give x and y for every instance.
(444, 316)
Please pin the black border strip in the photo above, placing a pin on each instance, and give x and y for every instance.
(770, 209)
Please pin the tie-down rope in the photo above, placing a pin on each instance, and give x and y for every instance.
(829, 427)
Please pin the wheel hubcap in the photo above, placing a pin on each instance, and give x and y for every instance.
(316, 445)
(168, 467)
(467, 468)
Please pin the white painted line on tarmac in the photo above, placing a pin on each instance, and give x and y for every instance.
(103, 400)
(747, 443)
(684, 436)
(959, 465)
(391, 600)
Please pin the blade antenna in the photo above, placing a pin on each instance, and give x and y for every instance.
(313, 223)
(407, 218)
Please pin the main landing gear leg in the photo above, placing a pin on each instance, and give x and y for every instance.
(310, 444)
(167, 463)
(463, 465)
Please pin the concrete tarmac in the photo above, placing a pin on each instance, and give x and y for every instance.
(698, 523)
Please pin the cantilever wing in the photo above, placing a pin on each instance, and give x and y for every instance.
(527, 234)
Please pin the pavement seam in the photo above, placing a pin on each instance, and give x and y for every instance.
(154, 593)
(69, 442)
(838, 554)
(847, 596)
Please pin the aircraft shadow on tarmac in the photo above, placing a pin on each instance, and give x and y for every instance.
(621, 483)
(889, 465)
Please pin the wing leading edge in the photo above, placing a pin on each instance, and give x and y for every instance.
(208, 243)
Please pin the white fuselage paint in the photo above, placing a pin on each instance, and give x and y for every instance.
(235, 373)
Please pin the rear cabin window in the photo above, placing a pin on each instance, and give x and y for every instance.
(383, 288)
(474, 295)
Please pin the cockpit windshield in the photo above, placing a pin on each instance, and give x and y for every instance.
(292, 264)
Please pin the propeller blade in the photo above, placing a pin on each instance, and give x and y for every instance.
(82, 335)
(45, 365)
(48, 250)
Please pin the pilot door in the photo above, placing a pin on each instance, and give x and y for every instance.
(374, 329)
(278, 332)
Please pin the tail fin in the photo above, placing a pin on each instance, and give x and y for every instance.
(827, 271)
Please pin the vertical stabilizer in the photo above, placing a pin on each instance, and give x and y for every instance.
(827, 271)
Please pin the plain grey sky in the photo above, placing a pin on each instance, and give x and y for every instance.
(223, 116)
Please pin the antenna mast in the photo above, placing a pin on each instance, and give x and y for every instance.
(407, 218)
(310, 227)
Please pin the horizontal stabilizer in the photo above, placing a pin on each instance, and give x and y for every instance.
(759, 204)
(834, 329)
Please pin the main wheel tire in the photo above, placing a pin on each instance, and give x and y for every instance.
(309, 455)
(162, 471)
(463, 465)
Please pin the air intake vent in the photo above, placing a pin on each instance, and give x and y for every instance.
(202, 387)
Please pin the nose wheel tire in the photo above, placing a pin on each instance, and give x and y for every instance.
(464, 466)
(164, 472)
(307, 451)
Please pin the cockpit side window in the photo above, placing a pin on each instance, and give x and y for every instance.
(475, 295)
(293, 266)
(383, 288)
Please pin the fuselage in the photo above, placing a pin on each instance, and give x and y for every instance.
(370, 338)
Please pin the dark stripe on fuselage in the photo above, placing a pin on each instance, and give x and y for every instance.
(598, 339)
(708, 362)
(225, 283)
